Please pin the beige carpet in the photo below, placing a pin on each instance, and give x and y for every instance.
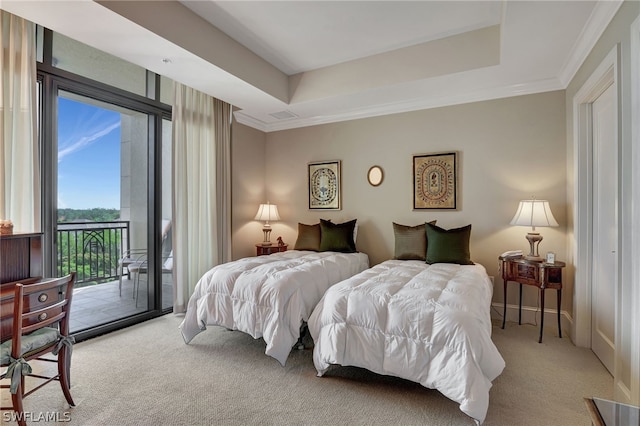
(146, 375)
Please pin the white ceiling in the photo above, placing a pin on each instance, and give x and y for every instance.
(298, 36)
(287, 64)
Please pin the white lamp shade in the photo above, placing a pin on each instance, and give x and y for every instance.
(267, 212)
(534, 213)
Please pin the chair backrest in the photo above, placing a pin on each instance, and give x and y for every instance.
(42, 304)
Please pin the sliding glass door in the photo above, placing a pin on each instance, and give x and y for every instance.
(105, 133)
(102, 212)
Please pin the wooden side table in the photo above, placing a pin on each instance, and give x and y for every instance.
(538, 274)
(274, 248)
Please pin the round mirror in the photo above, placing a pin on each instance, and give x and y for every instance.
(375, 175)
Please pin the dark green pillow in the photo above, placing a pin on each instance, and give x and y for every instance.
(337, 236)
(448, 245)
(410, 241)
(308, 237)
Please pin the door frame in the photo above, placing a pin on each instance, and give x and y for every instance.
(633, 286)
(606, 74)
(52, 80)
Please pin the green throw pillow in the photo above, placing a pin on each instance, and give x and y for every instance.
(410, 241)
(337, 236)
(448, 245)
(308, 237)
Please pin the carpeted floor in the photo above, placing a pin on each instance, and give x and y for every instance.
(146, 375)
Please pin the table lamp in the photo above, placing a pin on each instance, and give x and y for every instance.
(534, 213)
(267, 212)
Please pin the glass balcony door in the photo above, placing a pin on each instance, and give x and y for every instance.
(105, 148)
(102, 208)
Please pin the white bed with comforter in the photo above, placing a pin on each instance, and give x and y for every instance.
(426, 323)
(267, 296)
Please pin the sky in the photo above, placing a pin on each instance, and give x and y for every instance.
(88, 156)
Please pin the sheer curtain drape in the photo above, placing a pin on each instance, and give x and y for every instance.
(201, 188)
(19, 157)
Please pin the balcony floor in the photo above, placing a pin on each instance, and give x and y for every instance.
(102, 303)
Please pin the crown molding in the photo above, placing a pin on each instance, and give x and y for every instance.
(247, 120)
(541, 86)
(602, 14)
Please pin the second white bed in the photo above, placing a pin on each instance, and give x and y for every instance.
(426, 323)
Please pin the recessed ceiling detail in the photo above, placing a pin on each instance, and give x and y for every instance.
(328, 61)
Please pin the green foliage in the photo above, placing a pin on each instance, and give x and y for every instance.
(88, 215)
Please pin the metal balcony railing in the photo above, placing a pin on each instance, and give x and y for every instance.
(92, 250)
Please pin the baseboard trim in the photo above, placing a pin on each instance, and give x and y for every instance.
(531, 315)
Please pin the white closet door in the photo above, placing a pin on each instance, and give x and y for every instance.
(605, 228)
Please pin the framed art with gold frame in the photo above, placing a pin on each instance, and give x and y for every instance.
(324, 185)
(435, 181)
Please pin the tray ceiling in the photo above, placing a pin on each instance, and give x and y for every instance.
(287, 64)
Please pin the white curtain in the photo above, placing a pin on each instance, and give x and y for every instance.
(19, 156)
(201, 188)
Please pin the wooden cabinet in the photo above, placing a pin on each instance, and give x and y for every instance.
(20, 256)
(20, 261)
(539, 274)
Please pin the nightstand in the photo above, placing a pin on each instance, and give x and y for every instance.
(538, 274)
(274, 248)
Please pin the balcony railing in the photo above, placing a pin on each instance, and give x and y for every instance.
(92, 250)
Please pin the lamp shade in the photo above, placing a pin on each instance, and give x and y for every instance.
(534, 213)
(267, 212)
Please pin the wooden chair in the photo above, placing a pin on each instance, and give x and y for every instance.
(40, 326)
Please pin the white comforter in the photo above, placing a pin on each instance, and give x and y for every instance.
(426, 323)
(267, 296)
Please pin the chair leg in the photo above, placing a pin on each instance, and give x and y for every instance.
(16, 400)
(136, 287)
(134, 278)
(122, 269)
(64, 371)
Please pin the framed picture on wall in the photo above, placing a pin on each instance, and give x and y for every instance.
(324, 185)
(435, 181)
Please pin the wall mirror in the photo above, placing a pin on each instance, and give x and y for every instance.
(375, 175)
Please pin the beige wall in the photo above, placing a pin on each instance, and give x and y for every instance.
(509, 149)
(247, 188)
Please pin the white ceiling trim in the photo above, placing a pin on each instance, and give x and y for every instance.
(404, 106)
(598, 21)
(255, 100)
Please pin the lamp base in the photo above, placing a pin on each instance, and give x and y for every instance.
(534, 239)
(267, 233)
(534, 258)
